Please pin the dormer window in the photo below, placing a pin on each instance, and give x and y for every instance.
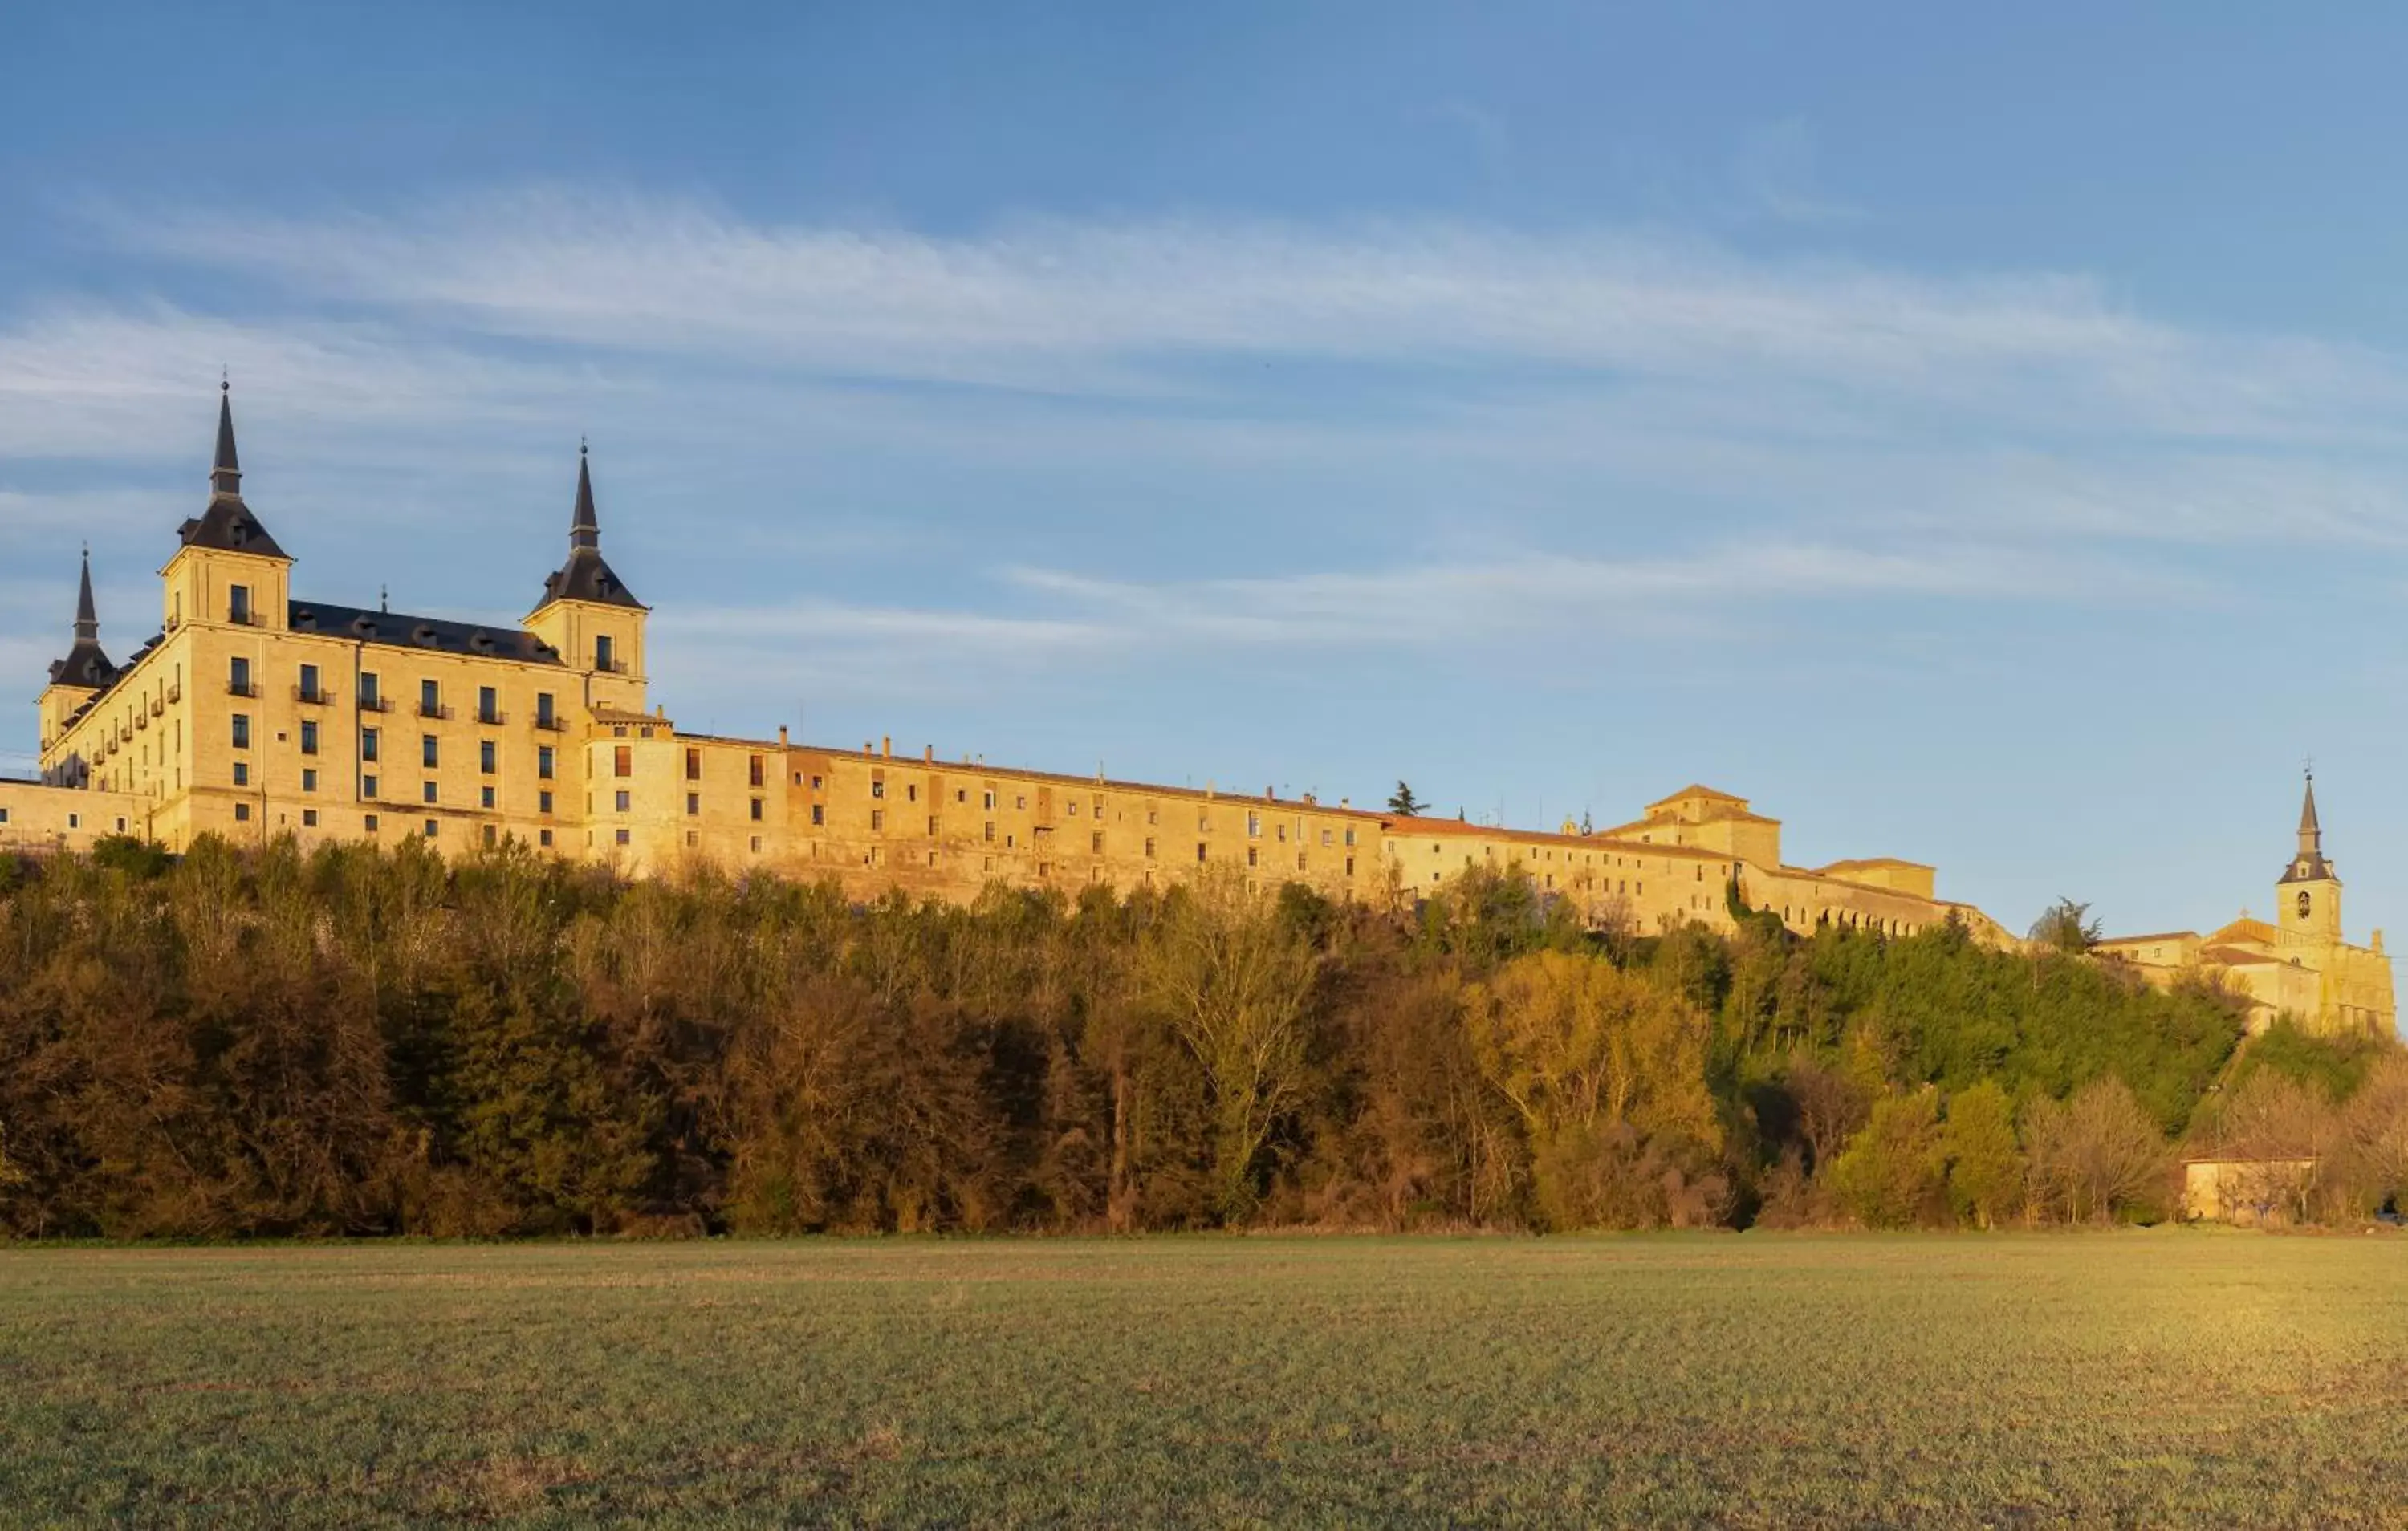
(423, 636)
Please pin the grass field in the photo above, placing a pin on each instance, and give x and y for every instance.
(1749, 1381)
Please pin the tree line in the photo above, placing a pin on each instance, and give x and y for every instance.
(351, 1040)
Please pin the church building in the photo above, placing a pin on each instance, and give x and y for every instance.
(2297, 964)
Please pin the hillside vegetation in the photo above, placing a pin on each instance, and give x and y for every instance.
(355, 1041)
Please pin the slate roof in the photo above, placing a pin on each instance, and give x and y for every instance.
(398, 630)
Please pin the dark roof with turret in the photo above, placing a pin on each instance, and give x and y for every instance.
(227, 525)
(85, 665)
(586, 576)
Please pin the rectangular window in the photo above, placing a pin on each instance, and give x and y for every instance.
(370, 822)
(1350, 866)
(238, 604)
(486, 752)
(932, 826)
(756, 844)
(368, 743)
(309, 735)
(543, 837)
(756, 770)
(371, 694)
(819, 814)
(489, 708)
(694, 765)
(622, 837)
(756, 810)
(239, 676)
(430, 751)
(876, 817)
(622, 760)
(543, 762)
(604, 654)
(1350, 837)
(242, 773)
(1095, 842)
(426, 791)
(430, 699)
(1253, 827)
(308, 818)
(367, 786)
(489, 836)
(310, 691)
(430, 829)
(623, 800)
(242, 730)
(485, 796)
(1149, 848)
(1199, 850)
(1250, 855)
(543, 713)
(990, 802)
(877, 786)
(990, 830)
(241, 814)
(309, 781)
(693, 804)
(543, 802)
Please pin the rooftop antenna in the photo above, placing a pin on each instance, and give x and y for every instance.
(384, 599)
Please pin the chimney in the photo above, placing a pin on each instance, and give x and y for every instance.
(887, 745)
(929, 754)
(1208, 789)
(782, 736)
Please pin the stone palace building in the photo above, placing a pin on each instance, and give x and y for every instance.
(253, 713)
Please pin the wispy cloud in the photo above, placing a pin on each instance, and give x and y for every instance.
(1116, 307)
(1559, 437)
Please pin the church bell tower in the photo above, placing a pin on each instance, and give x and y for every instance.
(2307, 900)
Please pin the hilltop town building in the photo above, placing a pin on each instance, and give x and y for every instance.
(255, 713)
(2297, 964)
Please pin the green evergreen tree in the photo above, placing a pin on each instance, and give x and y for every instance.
(1403, 801)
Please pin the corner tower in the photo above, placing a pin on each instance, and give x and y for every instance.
(589, 615)
(2307, 898)
(80, 676)
(228, 572)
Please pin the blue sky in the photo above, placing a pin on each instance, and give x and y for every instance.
(1976, 442)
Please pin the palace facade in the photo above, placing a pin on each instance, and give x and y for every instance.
(255, 712)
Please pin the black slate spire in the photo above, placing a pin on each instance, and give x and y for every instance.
(585, 576)
(225, 472)
(85, 665)
(228, 525)
(87, 622)
(584, 530)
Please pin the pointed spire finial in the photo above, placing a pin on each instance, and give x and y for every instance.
(584, 531)
(87, 617)
(225, 470)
